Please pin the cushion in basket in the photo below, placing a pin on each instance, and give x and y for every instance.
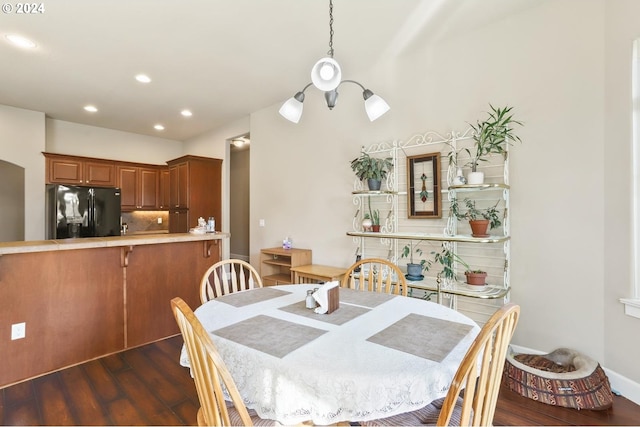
(573, 379)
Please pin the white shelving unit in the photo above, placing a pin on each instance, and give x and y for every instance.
(397, 229)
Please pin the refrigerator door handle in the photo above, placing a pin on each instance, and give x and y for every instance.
(91, 212)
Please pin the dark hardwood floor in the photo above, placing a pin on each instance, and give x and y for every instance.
(147, 386)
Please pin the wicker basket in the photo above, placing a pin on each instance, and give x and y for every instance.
(584, 387)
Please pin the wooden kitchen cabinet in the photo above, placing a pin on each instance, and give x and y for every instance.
(178, 221)
(179, 185)
(139, 187)
(165, 189)
(72, 170)
(195, 191)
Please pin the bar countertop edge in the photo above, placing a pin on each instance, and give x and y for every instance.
(7, 248)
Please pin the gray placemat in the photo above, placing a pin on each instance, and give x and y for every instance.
(252, 296)
(422, 336)
(364, 298)
(342, 315)
(270, 335)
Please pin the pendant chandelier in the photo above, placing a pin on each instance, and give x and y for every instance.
(326, 75)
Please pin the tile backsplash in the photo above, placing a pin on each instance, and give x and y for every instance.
(146, 221)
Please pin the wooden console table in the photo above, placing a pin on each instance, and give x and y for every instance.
(314, 273)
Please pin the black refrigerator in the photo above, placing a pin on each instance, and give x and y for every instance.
(74, 211)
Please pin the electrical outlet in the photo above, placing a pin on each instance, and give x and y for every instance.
(262, 223)
(160, 220)
(18, 330)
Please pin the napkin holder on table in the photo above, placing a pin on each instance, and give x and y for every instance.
(328, 297)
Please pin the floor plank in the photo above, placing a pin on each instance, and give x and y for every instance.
(147, 386)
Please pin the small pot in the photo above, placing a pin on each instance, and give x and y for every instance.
(414, 270)
(366, 224)
(374, 184)
(476, 278)
(375, 228)
(479, 227)
(475, 178)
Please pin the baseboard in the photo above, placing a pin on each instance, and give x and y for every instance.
(238, 256)
(619, 384)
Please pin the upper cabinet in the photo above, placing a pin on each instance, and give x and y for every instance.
(165, 188)
(189, 187)
(139, 185)
(61, 169)
(196, 191)
(179, 185)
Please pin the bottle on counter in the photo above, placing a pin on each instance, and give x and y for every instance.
(211, 224)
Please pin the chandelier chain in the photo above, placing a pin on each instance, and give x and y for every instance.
(330, 52)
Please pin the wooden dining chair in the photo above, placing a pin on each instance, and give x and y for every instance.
(479, 375)
(226, 276)
(377, 275)
(209, 373)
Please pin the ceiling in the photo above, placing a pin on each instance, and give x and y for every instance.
(220, 59)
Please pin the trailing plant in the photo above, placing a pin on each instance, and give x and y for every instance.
(472, 213)
(409, 250)
(446, 257)
(492, 135)
(367, 167)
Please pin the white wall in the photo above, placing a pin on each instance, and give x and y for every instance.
(216, 144)
(547, 61)
(622, 27)
(22, 136)
(91, 141)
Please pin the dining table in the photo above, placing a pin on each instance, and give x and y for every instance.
(376, 356)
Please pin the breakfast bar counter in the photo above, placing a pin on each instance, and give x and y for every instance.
(81, 299)
(104, 242)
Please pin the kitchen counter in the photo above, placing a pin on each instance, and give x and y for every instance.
(105, 242)
(85, 298)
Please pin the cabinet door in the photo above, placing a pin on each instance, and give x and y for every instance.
(148, 188)
(183, 185)
(179, 186)
(164, 190)
(64, 171)
(179, 221)
(173, 187)
(99, 174)
(127, 181)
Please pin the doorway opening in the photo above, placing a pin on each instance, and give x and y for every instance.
(11, 202)
(239, 203)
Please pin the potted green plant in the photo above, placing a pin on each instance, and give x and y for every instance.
(446, 257)
(490, 136)
(414, 270)
(373, 217)
(479, 219)
(373, 169)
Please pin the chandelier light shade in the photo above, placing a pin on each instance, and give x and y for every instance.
(292, 109)
(326, 75)
(374, 105)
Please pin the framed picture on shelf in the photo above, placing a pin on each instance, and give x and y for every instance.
(423, 186)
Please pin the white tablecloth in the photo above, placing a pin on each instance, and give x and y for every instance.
(339, 375)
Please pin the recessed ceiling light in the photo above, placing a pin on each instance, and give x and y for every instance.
(158, 127)
(239, 142)
(143, 78)
(90, 108)
(186, 113)
(20, 41)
